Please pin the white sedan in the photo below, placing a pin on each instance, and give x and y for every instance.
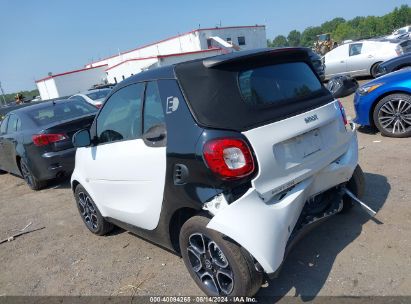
(359, 58)
(94, 97)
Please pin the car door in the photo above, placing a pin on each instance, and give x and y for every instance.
(3, 131)
(360, 59)
(335, 61)
(9, 143)
(126, 172)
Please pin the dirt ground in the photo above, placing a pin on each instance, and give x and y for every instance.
(348, 255)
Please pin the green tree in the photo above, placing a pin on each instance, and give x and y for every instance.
(344, 31)
(279, 41)
(294, 38)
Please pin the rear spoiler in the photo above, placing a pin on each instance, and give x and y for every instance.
(234, 57)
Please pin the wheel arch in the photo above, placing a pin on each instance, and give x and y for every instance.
(177, 220)
(377, 100)
(376, 64)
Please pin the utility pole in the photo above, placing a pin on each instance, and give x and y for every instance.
(2, 94)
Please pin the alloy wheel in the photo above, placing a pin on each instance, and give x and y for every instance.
(87, 210)
(395, 116)
(210, 264)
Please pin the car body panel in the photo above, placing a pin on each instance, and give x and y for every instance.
(127, 179)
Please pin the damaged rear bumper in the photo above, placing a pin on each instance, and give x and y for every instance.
(264, 228)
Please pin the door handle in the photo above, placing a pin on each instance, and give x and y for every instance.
(370, 56)
(342, 61)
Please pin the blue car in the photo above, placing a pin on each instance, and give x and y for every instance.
(385, 103)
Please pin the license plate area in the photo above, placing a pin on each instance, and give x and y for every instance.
(296, 150)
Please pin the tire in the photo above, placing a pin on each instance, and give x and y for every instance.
(357, 186)
(2, 172)
(219, 266)
(374, 69)
(90, 214)
(392, 115)
(33, 182)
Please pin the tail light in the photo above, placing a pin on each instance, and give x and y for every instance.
(98, 105)
(343, 115)
(229, 158)
(46, 139)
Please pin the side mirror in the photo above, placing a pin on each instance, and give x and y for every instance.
(156, 136)
(342, 86)
(81, 138)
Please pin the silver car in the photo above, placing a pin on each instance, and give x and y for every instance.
(359, 58)
(95, 97)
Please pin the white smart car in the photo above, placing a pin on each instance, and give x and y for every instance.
(224, 160)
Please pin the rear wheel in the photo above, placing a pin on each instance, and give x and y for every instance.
(357, 186)
(219, 266)
(29, 178)
(90, 214)
(392, 115)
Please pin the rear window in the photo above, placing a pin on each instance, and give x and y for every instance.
(270, 85)
(61, 111)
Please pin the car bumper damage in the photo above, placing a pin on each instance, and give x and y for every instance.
(265, 228)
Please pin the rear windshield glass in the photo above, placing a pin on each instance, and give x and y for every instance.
(61, 111)
(98, 94)
(272, 84)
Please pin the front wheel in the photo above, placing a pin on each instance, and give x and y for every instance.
(219, 266)
(90, 214)
(392, 115)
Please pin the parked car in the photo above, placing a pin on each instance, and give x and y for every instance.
(35, 141)
(360, 58)
(385, 103)
(395, 64)
(225, 160)
(94, 97)
(403, 32)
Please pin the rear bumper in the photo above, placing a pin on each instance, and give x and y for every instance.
(264, 228)
(53, 164)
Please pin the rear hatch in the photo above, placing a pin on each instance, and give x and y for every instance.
(275, 99)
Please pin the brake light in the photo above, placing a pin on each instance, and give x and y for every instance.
(229, 158)
(98, 105)
(46, 139)
(343, 115)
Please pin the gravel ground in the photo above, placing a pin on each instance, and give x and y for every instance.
(348, 255)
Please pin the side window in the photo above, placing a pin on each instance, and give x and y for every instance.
(12, 124)
(153, 109)
(120, 118)
(241, 40)
(355, 49)
(3, 127)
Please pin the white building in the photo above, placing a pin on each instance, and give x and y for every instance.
(195, 44)
(71, 82)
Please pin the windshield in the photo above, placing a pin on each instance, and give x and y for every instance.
(61, 111)
(98, 94)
